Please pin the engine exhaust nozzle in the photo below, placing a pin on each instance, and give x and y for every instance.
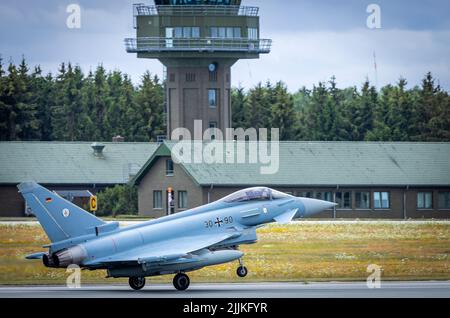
(74, 255)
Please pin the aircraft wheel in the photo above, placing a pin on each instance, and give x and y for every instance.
(181, 281)
(242, 271)
(137, 283)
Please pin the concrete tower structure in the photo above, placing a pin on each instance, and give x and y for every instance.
(198, 41)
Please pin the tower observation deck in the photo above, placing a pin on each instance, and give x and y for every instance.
(198, 41)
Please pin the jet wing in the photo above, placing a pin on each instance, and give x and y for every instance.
(165, 251)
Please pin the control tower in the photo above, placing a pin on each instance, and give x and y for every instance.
(198, 41)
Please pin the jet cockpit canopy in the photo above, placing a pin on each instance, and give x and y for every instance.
(255, 194)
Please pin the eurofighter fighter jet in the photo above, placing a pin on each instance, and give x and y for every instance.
(175, 244)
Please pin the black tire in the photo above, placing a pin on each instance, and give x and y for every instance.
(181, 282)
(242, 271)
(137, 283)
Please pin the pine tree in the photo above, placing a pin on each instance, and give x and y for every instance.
(399, 113)
(430, 109)
(439, 123)
(42, 91)
(283, 113)
(318, 117)
(127, 100)
(148, 121)
(302, 103)
(19, 120)
(257, 108)
(116, 109)
(359, 113)
(338, 127)
(238, 108)
(99, 105)
(367, 104)
(69, 115)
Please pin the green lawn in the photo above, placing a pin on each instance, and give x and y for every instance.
(303, 251)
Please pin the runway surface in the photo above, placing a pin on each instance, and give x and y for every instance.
(231, 291)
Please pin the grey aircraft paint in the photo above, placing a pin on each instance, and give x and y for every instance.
(176, 244)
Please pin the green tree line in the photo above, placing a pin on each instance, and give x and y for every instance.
(73, 106)
(327, 113)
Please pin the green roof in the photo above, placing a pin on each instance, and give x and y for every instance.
(334, 164)
(71, 162)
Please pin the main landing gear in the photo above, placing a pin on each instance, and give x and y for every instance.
(137, 283)
(241, 270)
(181, 281)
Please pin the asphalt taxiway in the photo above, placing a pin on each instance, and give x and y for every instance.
(437, 289)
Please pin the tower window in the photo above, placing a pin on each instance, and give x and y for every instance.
(190, 77)
(195, 32)
(225, 32)
(213, 127)
(213, 76)
(252, 33)
(178, 33)
(183, 32)
(212, 98)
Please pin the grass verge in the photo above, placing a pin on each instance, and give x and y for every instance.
(303, 251)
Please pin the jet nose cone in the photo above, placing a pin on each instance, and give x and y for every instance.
(313, 206)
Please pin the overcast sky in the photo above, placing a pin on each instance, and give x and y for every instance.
(313, 40)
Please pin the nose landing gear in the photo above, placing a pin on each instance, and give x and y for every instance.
(181, 281)
(241, 270)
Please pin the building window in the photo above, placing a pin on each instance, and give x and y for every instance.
(182, 200)
(212, 98)
(213, 126)
(444, 200)
(237, 33)
(157, 200)
(213, 76)
(344, 200)
(183, 32)
(381, 200)
(305, 194)
(362, 200)
(169, 168)
(225, 32)
(195, 32)
(325, 196)
(172, 77)
(252, 33)
(425, 200)
(178, 33)
(190, 77)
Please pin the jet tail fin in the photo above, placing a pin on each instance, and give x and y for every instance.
(60, 218)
